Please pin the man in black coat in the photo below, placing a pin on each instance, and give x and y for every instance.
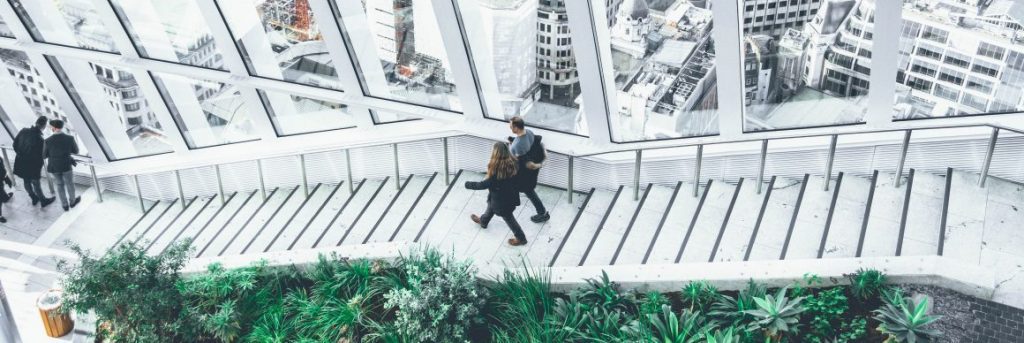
(58, 150)
(28, 164)
(526, 147)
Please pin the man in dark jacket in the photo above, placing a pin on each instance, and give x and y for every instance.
(28, 164)
(58, 150)
(526, 147)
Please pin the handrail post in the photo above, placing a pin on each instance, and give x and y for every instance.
(138, 193)
(988, 157)
(394, 154)
(636, 175)
(696, 170)
(760, 166)
(95, 183)
(831, 159)
(447, 177)
(903, 158)
(10, 168)
(305, 180)
(220, 184)
(569, 185)
(181, 188)
(348, 167)
(259, 174)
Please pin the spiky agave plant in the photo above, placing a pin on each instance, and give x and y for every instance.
(727, 335)
(699, 294)
(687, 327)
(777, 315)
(905, 321)
(732, 310)
(866, 283)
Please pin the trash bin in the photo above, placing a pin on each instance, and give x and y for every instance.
(57, 324)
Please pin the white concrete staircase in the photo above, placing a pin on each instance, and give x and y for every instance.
(728, 220)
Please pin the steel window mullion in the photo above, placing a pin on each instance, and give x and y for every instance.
(229, 52)
(888, 19)
(727, 33)
(462, 69)
(159, 106)
(14, 23)
(590, 43)
(118, 32)
(343, 61)
(73, 113)
(468, 16)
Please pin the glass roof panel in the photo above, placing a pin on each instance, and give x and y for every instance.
(111, 102)
(402, 56)
(293, 114)
(280, 40)
(170, 30)
(65, 22)
(524, 58)
(209, 113)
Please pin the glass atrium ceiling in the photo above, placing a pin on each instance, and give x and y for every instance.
(137, 78)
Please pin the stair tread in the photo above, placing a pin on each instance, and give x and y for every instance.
(775, 223)
(810, 222)
(577, 242)
(884, 222)
(709, 223)
(673, 231)
(424, 208)
(848, 218)
(292, 222)
(316, 227)
(209, 230)
(737, 233)
(176, 231)
(344, 220)
(635, 246)
(486, 243)
(384, 225)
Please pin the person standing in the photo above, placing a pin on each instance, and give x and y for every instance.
(529, 151)
(58, 150)
(28, 164)
(502, 192)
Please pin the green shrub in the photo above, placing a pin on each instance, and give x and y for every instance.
(733, 311)
(687, 327)
(522, 300)
(904, 321)
(866, 283)
(699, 294)
(133, 293)
(777, 315)
(825, 311)
(727, 335)
(604, 293)
(652, 303)
(442, 301)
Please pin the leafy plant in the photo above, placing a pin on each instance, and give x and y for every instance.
(442, 301)
(905, 321)
(699, 294)
(866, 283)
(732, 311)
(667, 327)
(825, 309)
(604, 293)
(132, 292)
(522, 302)
(728, 335)
(652, 303)
(777, 315)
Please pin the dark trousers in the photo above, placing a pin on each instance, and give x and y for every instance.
(535, 200)
(34, 190)
(509, 218)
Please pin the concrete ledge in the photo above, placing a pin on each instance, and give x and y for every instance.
(372, 251)
(926, 270)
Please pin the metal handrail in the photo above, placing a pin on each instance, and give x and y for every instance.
(571, 157)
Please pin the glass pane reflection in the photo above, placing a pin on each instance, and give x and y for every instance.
(208, 113)
(21, 112)
(280, 40)
(169, 30)
(293, 114)
(65, 22)
(112, 104)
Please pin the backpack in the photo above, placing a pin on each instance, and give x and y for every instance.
(537, 153)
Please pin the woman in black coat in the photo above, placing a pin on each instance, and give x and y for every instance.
(502, 188)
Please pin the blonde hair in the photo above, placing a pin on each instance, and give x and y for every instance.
(503, 164)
